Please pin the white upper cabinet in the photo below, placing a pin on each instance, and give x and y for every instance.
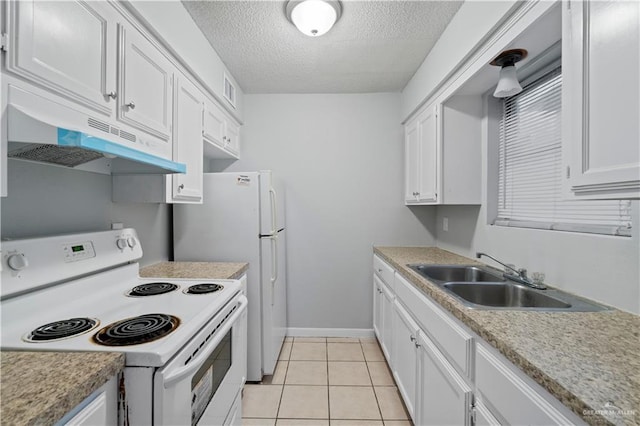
(146, 84)
(442, 153)
(601, 106)
(187, 141)
(68, 47)
(412, 165)
(213, 129)
(221, 134)
(421, 156)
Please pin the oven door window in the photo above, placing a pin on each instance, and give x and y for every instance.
(208, 378)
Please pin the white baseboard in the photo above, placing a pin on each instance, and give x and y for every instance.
(330, 332)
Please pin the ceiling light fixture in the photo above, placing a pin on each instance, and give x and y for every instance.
(313, 17)
(508, 84)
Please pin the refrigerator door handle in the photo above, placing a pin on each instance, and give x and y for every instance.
(274, 266)
(274, 212)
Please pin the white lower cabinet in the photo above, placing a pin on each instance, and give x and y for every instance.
(383, 296)
(98, 409)
(482, 415)
(445, 397)
(387, 321)
(383, 315)
(447, 374)
(405, 359)
(513, 395)
(377, 307)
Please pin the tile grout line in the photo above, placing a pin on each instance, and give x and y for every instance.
(326, 349)
(374, 392)
(284, 381)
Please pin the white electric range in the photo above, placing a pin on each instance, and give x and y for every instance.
(184, 339)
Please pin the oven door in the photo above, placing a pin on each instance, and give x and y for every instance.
(200, 384)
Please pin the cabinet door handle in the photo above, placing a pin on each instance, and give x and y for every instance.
(131, 105)
(112, 95)
(417, 345)
(181, 187)
(413, 339)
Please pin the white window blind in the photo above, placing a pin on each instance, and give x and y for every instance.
(530, 175)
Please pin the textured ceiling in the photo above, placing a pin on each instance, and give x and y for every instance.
(376, 46)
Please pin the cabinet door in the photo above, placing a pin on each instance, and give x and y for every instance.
(232, 133)
(377, 307)
(482, 415)
(68, 47)
(428, 149)
(411, 162)
(405, 360)
(444, 398)
(214, 124)
(187, 141)
(386, 343)
(601, 106)
(513, 395)
(146, 80)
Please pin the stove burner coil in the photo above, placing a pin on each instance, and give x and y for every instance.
(152, 289)
(203, 288)
(63, 329)
(137, 330)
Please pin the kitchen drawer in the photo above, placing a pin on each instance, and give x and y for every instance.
(454, 341)
(517, 399)
(384, 271)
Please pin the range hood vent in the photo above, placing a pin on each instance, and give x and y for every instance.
(47, 132)
(53, 154)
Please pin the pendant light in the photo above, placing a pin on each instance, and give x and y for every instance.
(508, 84)
(313, 17)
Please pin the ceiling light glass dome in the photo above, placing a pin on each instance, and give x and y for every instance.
(313, 17)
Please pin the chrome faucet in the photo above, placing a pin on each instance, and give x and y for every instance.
(520, 275)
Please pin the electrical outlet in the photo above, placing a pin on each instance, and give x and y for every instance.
(445, 224)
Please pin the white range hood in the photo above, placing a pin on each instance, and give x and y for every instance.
(43, 131)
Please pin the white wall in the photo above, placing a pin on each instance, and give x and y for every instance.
(599, 267)
(471, 25)
(340, 157)
(49, 200)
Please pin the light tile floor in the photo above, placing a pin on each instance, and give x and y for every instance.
(326, 382)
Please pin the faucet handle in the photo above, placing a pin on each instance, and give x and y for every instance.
(510, 269)
(537, 278)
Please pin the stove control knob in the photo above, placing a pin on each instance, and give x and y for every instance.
(121, 243)
(17, 262)
(131, 242)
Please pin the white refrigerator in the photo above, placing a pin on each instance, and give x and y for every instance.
(242, 220)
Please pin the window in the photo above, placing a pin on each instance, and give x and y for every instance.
(530, 162)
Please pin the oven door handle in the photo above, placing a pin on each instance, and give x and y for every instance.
(196, 362)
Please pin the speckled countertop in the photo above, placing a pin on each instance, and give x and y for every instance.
(39, 388)
(208, 270)
(584, 359)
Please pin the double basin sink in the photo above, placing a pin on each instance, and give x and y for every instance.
(481, 288)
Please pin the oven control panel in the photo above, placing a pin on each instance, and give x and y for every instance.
(78, 251)
(31, 263)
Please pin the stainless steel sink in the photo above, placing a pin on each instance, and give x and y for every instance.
(504, 295)
(481, 287)
(457, 273)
